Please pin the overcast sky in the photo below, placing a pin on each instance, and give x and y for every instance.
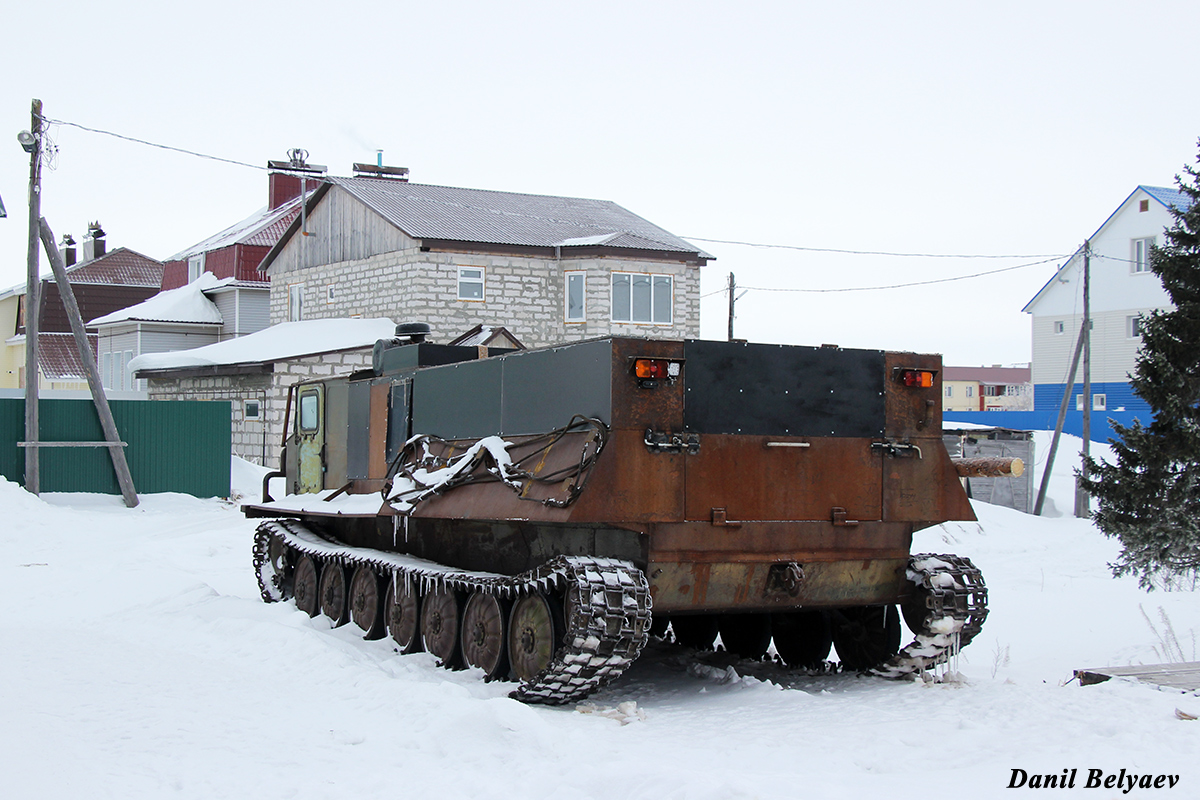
(941, 128)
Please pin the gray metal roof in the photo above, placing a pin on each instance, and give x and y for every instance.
(530, 220)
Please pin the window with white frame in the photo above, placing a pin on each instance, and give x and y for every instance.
(575, 296)
(1133, 326)
(970, 391)
(470, 283)
(195, 267)
(1099, 402)
(1140, 254)
(106, 370)
(295, 302)
(949, 391)
(638, 297)
(1059, 326)
(252, 409)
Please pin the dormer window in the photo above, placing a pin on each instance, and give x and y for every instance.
(195, 267)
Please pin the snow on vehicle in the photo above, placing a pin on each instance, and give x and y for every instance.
(535, 514)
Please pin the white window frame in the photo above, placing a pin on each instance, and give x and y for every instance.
(654, 286)
(1139, 255)
(1133, 326)
(1099, 402)
(1060, 327)
(467, 280)
(106, 360)
(195, 267)
(949, 391)
(970, 390)
(295, 304)
(330, 295)
(580, 314)
(246, 404)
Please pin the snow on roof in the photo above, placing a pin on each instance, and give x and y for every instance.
(251, 230)
(276, 343)
(185, 304)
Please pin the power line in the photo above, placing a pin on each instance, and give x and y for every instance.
(151, 144)
(1045, 258)
(889, 286)
(1049, 256)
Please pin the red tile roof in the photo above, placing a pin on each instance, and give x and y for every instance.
(120, 267)
(58, 356)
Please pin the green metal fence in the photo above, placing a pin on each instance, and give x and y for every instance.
(174, 446)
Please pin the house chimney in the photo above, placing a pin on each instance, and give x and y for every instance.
(380, 171)
(285, 178)
(93, 243)
(67, 251)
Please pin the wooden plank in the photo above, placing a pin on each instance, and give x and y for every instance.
(1184, 675)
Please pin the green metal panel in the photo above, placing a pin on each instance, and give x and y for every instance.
(174, 446)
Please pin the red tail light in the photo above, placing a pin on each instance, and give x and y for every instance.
(651, 368)
(656, 369)
(922, 378)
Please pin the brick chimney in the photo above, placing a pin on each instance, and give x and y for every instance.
(286, 178)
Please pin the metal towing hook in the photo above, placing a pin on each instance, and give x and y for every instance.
(785, 578)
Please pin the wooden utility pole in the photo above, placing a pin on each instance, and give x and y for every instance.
(107, 423)
(1082, 506)
(1062, 416)
(32, 304)
(732, 299)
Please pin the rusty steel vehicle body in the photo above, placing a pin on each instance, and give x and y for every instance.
(535, 513)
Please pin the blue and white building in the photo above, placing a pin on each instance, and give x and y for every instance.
(1123, 290)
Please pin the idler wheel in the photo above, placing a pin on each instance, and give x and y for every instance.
(697, 631)
(745, 635)
(403, 614)
(333, 594)
(802, 638)
(533, 634)
(279, 569)
(366, 602)
(867, 636)
(306, 586)
(483, 634)
(439, 625)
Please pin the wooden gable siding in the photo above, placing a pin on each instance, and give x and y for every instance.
(339, 229)
(94, 299)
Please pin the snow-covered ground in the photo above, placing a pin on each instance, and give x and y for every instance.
(139, 662)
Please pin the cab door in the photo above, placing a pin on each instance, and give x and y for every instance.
(310, 431)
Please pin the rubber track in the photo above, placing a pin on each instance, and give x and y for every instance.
(607, 604)
(956, 606)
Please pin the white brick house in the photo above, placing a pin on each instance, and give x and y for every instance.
(254, 373)
(550, 269)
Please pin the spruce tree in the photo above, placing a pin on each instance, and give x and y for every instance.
(1150, 498)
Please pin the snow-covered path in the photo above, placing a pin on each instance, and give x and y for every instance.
(139, 662)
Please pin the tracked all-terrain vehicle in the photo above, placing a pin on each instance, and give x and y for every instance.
(536, 514)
